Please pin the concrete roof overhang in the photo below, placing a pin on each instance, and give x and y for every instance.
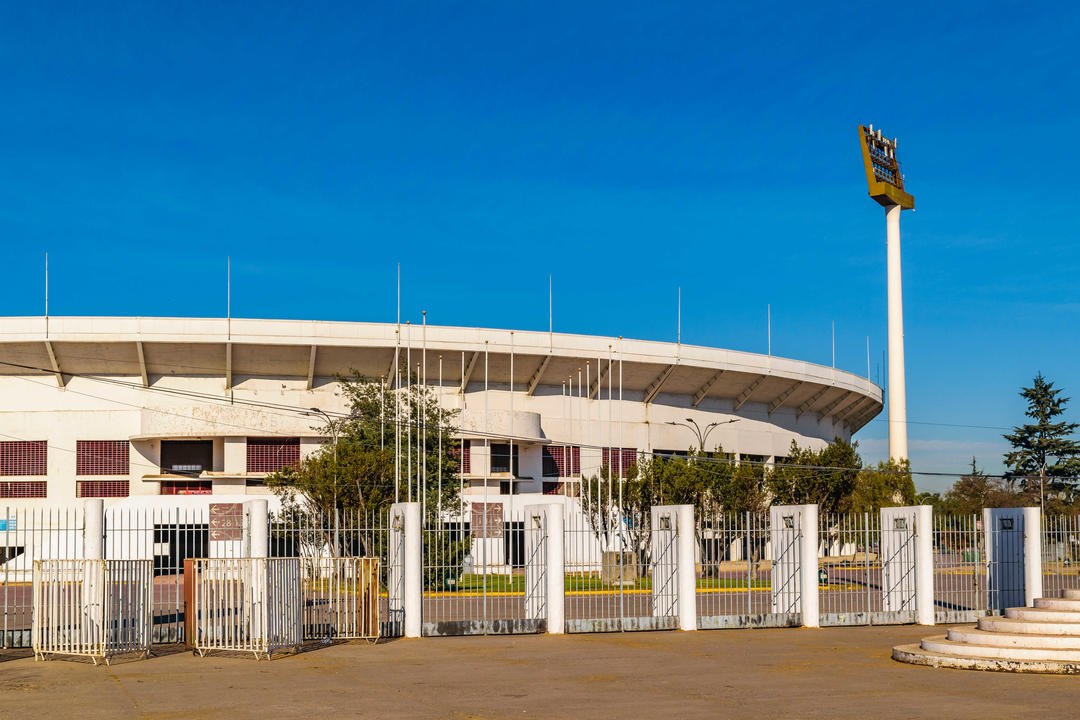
(661, 372)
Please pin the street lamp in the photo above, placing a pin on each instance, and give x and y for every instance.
(702, 433)
(334, 438)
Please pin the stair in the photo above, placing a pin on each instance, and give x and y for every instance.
(1044, 638)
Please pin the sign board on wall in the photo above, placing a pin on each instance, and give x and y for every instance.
(493, 526)
(226, 521)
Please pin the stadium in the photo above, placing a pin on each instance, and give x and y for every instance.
(141, 410)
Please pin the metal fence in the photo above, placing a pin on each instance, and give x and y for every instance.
(484, 575)
(27, 534)
(1061, 554)
(474, 578)
(350, 536)
(734, 584)
(247, 605)
(620, 575)
(959, 569)
(167, 537)
(850, 569)
(93, 608)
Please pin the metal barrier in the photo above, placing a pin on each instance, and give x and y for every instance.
(93, 608)
(350, 536)
(247, 605)
(341, 598)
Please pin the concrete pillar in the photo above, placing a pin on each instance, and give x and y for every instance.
(672, 541)
(924, 564)
(1033, 578)
(687, 571)
(556, 572)
(897, 391)
(94, 529)
(259, 519)
(408, 518)
(808, 565)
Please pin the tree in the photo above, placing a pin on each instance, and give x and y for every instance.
(1043, 449)
(887, 485)
(826, 477)
(977, 490)
(356, 480)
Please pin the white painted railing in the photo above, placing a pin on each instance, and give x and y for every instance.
(93, 608)
(341, 598)
(247, 605)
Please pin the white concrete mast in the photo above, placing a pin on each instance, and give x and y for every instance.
(886, 186)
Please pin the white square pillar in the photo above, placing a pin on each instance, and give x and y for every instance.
(550, 518)
(94, 529)
(808, 566)
(406, 524)
(924, 563)
(1033, 578)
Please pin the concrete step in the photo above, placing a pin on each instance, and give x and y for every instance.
(941, 644)
(1072, 594)
(974, 636)
(1044, 615)
(1057, 604)
(916, 655)
(1010, 625)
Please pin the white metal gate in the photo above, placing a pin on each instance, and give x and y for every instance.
(395, 574)
(1004, 530)
(785, 539)
(536, 550)
(247, 605)
(898, 578)
(664, 569)
(94, 608)
(484, 576)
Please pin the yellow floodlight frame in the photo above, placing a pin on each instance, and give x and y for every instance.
(883, 177)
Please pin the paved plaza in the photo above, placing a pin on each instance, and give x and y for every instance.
(828, 673)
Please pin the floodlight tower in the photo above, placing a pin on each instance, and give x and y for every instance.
(886, 185)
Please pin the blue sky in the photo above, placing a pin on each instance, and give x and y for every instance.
(626, 148)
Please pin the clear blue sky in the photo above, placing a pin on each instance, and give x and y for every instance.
(625, 148)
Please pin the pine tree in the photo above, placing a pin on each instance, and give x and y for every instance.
(1044, 450)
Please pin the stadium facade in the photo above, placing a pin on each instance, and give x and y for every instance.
(141, 408)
